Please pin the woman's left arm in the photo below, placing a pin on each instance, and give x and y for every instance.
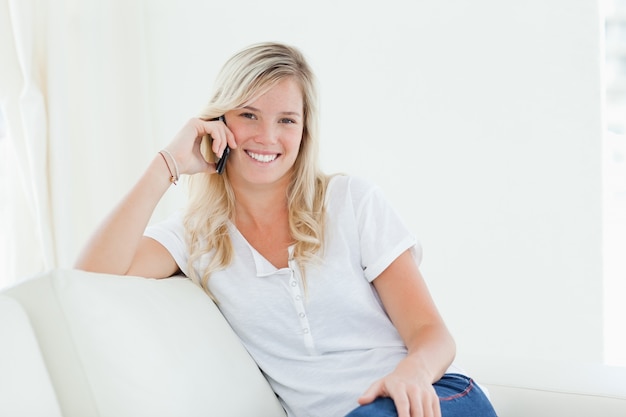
(431, 348)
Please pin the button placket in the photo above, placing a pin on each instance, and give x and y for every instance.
(298, 301)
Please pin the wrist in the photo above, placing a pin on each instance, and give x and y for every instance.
(172, 166)
(415, 364)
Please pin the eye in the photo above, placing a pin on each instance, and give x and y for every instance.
(250, 116)
(287, 120)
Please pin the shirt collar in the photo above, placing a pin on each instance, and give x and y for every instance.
(263, 267)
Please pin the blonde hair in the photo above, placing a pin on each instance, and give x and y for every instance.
(244, 77)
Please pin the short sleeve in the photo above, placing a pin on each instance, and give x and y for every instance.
(383, 235)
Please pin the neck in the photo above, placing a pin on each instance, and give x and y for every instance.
(261, 206)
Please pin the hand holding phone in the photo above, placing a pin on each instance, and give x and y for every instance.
(221, 163)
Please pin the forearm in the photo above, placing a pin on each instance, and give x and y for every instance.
(407, 300)
(431, 350)
(113, 246)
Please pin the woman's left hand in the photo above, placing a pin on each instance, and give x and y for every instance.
(413, 395)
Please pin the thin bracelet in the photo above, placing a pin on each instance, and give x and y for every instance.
(174, 161)
(172, 179)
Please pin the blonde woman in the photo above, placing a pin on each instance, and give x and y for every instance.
(315, 273)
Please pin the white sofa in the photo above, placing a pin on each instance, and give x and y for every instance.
(77, 344)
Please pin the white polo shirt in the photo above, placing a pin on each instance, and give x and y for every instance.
(322, 350)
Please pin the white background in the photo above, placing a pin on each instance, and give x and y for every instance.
(482, 122)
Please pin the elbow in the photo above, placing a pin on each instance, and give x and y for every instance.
(90, 265)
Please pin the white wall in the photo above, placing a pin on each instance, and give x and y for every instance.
(481, 120)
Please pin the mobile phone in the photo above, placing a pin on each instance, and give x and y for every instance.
(221, 163)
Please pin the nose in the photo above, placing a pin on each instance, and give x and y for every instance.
(266, 134)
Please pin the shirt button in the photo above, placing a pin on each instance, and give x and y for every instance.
(294, 283)
(305, 330)
(298, 297)
(301, 315)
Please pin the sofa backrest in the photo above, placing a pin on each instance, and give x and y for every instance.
(114, 346)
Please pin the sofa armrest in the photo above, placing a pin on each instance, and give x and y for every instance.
(22, 369)
(119, 346)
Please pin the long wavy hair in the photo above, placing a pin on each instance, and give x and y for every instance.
(247, 75)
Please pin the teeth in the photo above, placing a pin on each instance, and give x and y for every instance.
(262, 158)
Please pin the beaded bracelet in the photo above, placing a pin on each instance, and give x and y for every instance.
(173, 179)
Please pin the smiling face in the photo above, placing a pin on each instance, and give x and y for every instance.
(268, 131)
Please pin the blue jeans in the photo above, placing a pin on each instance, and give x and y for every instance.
(459, 396)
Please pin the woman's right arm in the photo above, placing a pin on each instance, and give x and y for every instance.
(118, 246)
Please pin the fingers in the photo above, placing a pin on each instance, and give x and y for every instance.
(374, 391)
(404, 406)
(186, 144)
(196, 129)
(222, 136)
(436, 406)
(410, 400)
(416, 406)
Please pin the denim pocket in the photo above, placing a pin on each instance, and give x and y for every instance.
(459, 396)
(453, 386)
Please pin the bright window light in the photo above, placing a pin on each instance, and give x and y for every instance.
(614, 190)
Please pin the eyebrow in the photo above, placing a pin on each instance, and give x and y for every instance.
(285, 113)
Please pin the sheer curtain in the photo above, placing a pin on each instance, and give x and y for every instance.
(73, 88)
(27, 200)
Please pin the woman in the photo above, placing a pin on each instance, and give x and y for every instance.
(316, 274)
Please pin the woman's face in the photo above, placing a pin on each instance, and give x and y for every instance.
(268, 131)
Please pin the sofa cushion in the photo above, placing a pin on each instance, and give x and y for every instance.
(154, 347)
(522, 387)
